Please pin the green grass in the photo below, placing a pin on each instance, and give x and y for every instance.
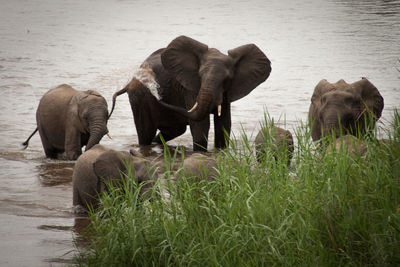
(326, 209)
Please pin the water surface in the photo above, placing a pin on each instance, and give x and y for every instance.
(99, 44)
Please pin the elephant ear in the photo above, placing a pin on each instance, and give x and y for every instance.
(141, 169)
(322, 88)
(74, 112)
(252, 67)
(109, 165)
(182, 59)
(93, 92)
(371, 98)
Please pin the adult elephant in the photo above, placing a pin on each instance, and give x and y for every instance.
(68, 119)
(101, 166)
(194, 81)
(343, 108)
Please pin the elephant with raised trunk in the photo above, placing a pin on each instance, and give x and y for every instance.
(194, 81)
(68, 119)
(342, 108)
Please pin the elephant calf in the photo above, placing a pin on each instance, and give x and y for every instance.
(68, 119)
(350, 144)
(342, 108)
(275, 139)
(101, 165)
(200, 166)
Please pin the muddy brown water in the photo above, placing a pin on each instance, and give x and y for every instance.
(99, 44)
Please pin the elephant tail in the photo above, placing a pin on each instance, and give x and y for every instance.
(114, 98)
(26, 143)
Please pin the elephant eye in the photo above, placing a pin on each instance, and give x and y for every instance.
(323, 99)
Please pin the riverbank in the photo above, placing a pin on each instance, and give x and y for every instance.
(325, 209)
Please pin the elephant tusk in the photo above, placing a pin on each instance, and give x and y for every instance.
(194, 107)
(109, 136)
(219, 110)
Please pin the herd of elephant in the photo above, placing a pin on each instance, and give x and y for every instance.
(181, 85)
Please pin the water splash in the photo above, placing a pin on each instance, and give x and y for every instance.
(146, 76)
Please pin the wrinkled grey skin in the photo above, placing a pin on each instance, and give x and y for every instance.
(343, 107)
(68, 119)
(199, 166)
(277, 140)
(99, 166)
(190, 72)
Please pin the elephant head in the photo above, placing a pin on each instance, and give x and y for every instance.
(199, 166)
(90, 108)
(111, 164)
(276, 140)
(344, 108)
(211, 77)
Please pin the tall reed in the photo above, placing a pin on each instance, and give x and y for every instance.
(325, 209)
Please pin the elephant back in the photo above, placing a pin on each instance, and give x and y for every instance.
(51, 114)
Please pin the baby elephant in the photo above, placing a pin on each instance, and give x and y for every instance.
(277, 140)
(349, 143)
(200, 166)
(68, 119)
(99, 166)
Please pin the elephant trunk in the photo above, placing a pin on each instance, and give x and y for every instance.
(203, 105)
(332, 128)
(200, 109)
(97, 129)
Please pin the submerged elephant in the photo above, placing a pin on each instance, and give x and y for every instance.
(101, 165)
(199, 166)
(193, 82)
(349, 144)
(68, 119)
(344, 108)
(279, 141)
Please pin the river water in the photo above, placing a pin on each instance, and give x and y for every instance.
(99, 44)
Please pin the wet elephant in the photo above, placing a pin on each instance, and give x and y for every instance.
(277, 140)
(68, 119)
(99, 166)
(343, 108)
(193, 81)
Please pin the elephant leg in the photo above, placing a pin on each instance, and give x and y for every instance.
(170, 133)
(76, 198)
(49, 150)
(222, 124)
(146, 129)
(143, 106)
(199, 130)
(73, 147)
